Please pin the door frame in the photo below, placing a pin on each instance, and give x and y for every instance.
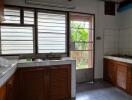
(68, 37)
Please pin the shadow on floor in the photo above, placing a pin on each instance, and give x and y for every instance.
(100, 90)
(87, 86)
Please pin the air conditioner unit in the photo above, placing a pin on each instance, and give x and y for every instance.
(68, 4)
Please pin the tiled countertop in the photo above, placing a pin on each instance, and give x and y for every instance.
(125, 60)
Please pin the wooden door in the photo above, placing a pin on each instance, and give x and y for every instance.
(11, 86)
(32, 84)
(3, 92)
(122, 75)
(59, 82)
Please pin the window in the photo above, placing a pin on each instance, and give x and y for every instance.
(51, 33)
(17, 37)
(21, 33)
(28, 17)
(12, 16)
(16, 40)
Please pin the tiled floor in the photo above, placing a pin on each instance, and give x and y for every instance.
(100, 90)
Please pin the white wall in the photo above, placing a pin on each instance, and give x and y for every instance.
(104, 25)
(125, 36)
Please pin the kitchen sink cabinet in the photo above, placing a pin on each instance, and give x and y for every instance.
(3, 92)
(59, 82)
(118, 73)
(31, 83)
(45, 83)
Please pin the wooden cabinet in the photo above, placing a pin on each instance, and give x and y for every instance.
(8, 90)
(122, 75)
(110, 71)
(39, 83)
(3, 92)
(1, 10)
(31, 82)
(11, 87)
(45, 83)
(129, 79)
(59, 82)
(119, 74)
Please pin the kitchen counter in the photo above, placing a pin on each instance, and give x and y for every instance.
(118, 72)
(125, 60)
(7, 72)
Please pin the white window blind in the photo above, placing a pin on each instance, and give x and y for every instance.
(28, 17)
(11, 16)
(51, 33)
(16, 40)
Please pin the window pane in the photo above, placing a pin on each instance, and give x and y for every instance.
(16, 40)
(51, 33)
(84, 59)
(28, 17)
(11, 16)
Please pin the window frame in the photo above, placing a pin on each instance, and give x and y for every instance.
(35, 29)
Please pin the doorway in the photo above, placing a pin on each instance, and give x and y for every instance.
(82, 45)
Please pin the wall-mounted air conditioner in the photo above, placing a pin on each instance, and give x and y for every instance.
(68, 4)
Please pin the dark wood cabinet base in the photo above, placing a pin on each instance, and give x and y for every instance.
(119, 74)
(39, 83)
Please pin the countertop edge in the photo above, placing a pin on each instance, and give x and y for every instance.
(7, 75)
(125, 60)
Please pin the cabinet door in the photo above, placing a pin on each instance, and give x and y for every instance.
(3, 92)
(31, 84)
(59, 82)
(110, 71)
(11, 86)
(105, 72)
(129, 79)
(122, 75)
(1, 10)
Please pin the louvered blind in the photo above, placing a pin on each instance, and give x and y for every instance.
(11, 16)
(28, 17)
(51, 33)
(16, 40)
